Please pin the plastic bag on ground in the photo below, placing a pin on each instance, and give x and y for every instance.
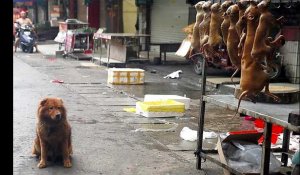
(191, 135)
(246, 157)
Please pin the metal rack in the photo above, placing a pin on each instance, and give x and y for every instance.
(270, 113)
(77, 43)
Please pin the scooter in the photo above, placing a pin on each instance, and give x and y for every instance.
(27, 38)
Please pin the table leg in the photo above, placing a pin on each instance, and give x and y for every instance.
(148, 54)
(285, 146)
(138, 47)
(108, 55)
(165, 57)
(200, 135)
(201, 119)
(266, 149)
(160, 54)
(100, 51)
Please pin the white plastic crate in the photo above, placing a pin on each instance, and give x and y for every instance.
(162, 108)
(154, 97)
(125, 76)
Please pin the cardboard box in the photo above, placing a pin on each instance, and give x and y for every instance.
(253, 137)
(125, 76)
(163, 108)
(153, 97)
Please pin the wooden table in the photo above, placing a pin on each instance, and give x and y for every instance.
(167, 47)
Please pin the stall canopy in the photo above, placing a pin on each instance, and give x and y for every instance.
(21, 0)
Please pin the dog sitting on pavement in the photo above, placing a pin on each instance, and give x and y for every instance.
(53, 133)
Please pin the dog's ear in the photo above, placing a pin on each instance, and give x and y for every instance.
(60, 100)
(42, 102)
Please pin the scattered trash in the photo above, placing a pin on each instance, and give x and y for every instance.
(188, 134)
(52, 59)
(209, 135)
(174, 74)
(246, 157)
(57, 81)
(191, 135)
(249, 118)
(296, 158)
(129, 110)
(153, 71)
(294, 142)
(242, 153)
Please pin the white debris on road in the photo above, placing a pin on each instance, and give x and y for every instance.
(174, 74)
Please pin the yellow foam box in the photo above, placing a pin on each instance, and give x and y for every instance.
(125, 76)
(161, 108)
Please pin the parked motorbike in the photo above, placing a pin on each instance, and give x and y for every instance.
(27, 38)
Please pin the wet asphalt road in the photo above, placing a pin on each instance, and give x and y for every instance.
(106, 139)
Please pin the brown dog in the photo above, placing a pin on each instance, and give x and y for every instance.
(53, 132)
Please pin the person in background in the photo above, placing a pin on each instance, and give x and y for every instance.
(24, 20)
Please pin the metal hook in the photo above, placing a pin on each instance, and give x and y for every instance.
(289, 4)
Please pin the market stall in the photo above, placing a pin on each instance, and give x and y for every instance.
(76, 36)
(123, 47)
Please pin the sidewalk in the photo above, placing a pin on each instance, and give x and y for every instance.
(217, 79)
(106, 139)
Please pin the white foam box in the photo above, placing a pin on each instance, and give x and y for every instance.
(155, 97)
(125, 76)
(162, 108)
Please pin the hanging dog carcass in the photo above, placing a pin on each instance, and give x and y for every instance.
(264, 46)
(240, 24)
(233, 38)
(204, 25)
(253, 77)
(225, 24)
(199, 18)
(215, 38)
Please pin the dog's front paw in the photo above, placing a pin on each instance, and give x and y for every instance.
(67, 164)
(42, 164)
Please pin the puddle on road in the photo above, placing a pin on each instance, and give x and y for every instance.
(160, 88)
(139, 120)
(167, 127)
(81, 121)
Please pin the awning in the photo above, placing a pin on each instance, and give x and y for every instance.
(22, 0)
